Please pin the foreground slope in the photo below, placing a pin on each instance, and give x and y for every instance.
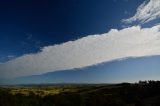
(125, 94)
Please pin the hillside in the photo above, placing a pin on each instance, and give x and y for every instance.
(125, 94)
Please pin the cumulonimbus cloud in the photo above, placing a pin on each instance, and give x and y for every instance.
(87, 51)
(146, 12)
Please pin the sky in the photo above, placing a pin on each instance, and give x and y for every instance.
(92, 41)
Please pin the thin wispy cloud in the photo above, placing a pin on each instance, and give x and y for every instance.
(147, 11)
(6, 58)
(87, 51)
(31, 42)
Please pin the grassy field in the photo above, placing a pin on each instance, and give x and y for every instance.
(42, 91)
(124, 94)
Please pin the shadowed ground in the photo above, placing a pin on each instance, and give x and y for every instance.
(144, 93)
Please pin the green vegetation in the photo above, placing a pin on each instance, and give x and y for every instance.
(144, 93)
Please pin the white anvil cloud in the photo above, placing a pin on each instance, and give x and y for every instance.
(87, 51)
(146, 12)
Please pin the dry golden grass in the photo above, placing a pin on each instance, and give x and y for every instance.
(42, 91)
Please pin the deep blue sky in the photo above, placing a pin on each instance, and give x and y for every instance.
(28, 25)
